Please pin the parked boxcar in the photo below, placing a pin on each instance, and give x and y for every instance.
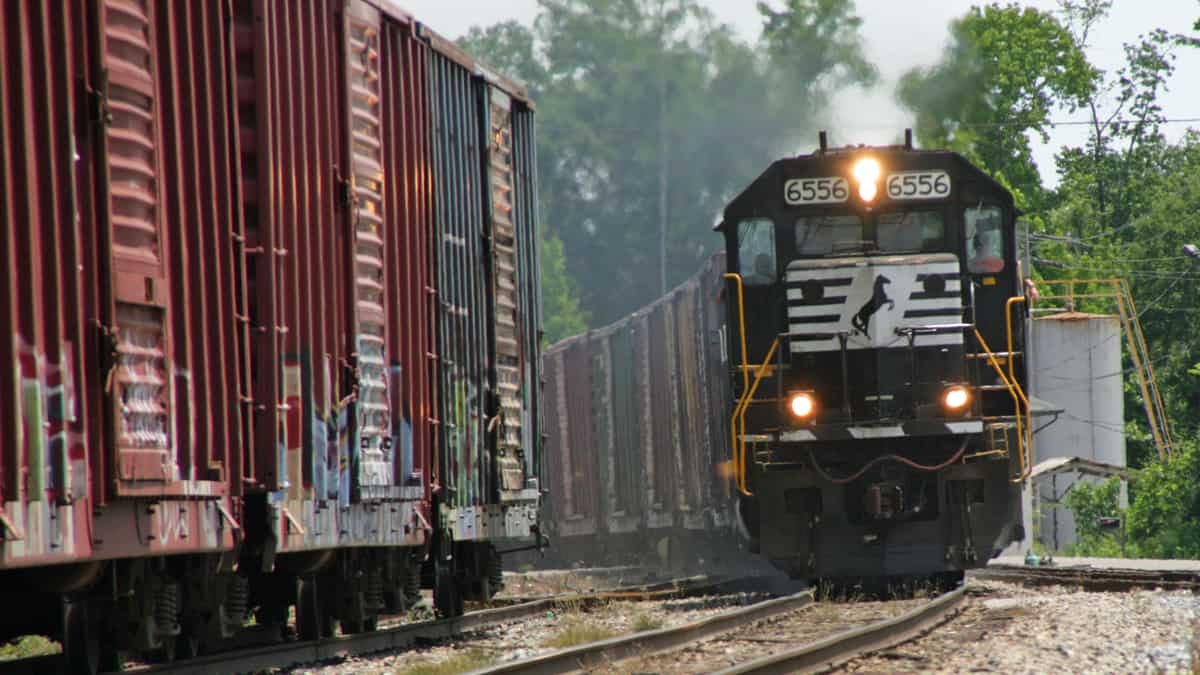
(270, 277)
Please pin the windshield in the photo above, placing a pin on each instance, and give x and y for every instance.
(911, 231)
(819, 235)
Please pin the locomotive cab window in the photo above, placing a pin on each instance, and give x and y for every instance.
(911, 231)
(756, 251)
(822, 235)
(985, 239)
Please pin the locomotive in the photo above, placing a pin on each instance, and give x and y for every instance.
(879, 424)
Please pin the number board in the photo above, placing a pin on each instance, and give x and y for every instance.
(828, 190)
(918, 185)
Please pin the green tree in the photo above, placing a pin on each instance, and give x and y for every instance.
(652, 115)
(561, 314)
(1004, 72)
(1089, 503)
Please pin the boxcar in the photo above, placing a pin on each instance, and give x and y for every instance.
(271, 290)
(636, 428)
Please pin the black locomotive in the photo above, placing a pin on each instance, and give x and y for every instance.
(875, 314)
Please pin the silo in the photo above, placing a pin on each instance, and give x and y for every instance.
(1076, 365)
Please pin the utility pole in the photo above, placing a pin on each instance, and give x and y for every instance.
(663, 176)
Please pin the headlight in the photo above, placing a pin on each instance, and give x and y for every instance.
(956, 398)
(866, 171)
(802, 405)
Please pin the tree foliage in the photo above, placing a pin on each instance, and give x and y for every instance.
(652, 115)
(1006, 69)
(561, 314)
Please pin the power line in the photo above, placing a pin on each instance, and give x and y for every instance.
(1077, 123)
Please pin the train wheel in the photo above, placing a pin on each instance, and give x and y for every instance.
(81, 642)
(447, 596)
(311, 623)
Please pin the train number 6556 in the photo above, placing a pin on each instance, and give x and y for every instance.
(918, 185)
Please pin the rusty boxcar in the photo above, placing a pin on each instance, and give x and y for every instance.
(272, 315)
(635, 425)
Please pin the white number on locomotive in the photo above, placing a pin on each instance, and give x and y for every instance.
(918, 185)
(830, 190)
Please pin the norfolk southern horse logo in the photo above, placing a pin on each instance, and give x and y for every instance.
(878, 299)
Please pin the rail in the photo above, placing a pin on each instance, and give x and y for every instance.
(271, 657)
(601, 655)
(825, 654)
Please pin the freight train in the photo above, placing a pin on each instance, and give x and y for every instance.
(271, 321)
(845, 385)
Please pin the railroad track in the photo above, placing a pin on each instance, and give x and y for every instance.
(1091, 578)
(819, 654)
(406, 635)
(399, 636)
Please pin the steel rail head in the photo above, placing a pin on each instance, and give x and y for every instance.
(840, 648)
(603, 653)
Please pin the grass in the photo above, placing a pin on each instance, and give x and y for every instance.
(645, 622)
(578, 633)
(462, 662)
(27, 646)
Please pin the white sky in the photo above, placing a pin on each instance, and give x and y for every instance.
(900, 34)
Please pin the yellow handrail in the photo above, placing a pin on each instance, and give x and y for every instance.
(737, 424)
(1018, 395)
(741, 325)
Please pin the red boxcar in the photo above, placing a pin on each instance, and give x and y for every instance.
(228, 292)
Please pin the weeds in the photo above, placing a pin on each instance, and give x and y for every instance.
(462, 662)
(645, 622)
(578, 633)
(27, 646)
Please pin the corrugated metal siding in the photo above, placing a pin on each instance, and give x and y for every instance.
(505, 306)
(372, 431)
(693, 424)
(202, 219)
(716, 378)
(462, 314)
(557, 459)
(409, 218)
(529, 286)
(137, 317)
(661, 453)
(584, 477)
(295, 205)
(49, 289)
(628, 401)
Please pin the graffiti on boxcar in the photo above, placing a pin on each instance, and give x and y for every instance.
(290, 464)
(55, 448)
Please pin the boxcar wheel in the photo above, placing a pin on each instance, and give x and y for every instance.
(447, 596)
(310, 617)
(81, 643)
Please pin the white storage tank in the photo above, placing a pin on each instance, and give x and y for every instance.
(1076, 365)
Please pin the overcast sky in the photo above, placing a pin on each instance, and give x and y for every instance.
(900, 34)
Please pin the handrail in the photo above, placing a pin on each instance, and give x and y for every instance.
(1027, 450)
(1018, 395)
(741, 325)
(737, 424)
